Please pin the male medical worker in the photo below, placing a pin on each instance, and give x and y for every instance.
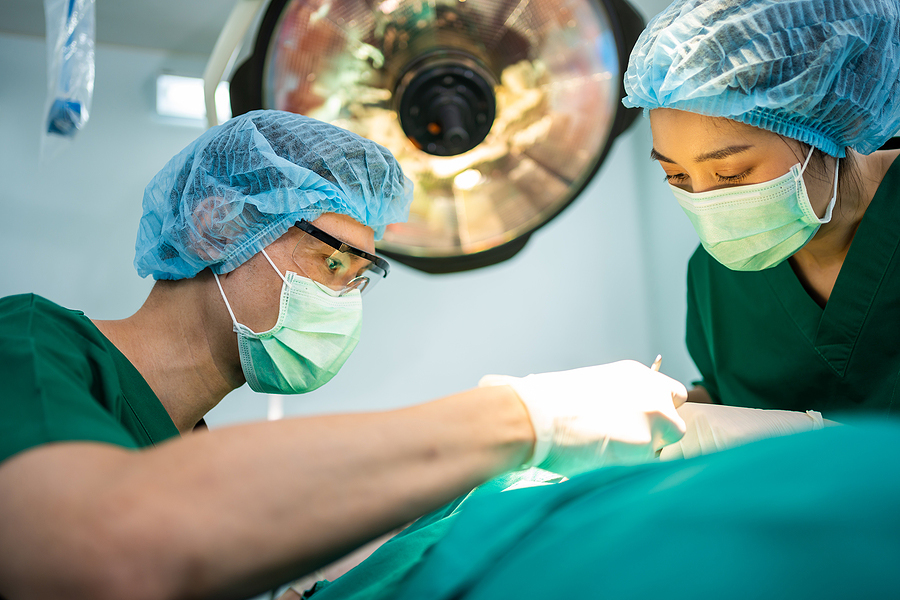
(260, 235)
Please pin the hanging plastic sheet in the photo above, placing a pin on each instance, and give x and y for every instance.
(70, 71)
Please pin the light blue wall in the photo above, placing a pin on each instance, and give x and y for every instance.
(602, 282)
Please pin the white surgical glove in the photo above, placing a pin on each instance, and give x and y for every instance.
(621, 413)
(713, 427)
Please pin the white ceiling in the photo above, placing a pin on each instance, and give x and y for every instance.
(178, 26)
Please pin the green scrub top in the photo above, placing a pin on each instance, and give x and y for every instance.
(760, 340)
(64, 381)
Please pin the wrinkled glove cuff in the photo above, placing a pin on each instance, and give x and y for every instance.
(541, 421)
(818, 421)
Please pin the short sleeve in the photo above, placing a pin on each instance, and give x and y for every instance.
(697, 327)
(60, 385)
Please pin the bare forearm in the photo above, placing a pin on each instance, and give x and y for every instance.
(242, 508)
(298, 494)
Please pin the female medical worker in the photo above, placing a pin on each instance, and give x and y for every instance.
(264, 224)
(767, 118)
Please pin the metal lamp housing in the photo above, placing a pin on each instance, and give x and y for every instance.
(500, 112)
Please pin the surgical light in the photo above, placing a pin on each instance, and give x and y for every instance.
(500, 111)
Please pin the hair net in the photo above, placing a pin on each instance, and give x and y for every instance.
(242, 185)
(825, 72)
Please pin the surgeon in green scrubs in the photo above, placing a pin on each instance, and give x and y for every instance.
(768, 119)
(261, 238)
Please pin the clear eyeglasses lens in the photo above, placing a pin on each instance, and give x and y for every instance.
(337, 273)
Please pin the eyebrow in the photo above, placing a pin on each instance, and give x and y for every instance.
(714, 155)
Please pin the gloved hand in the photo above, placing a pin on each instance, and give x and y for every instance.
(713, 427)
(615, 414)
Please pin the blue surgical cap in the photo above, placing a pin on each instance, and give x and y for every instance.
(240, 186)
(825, 72)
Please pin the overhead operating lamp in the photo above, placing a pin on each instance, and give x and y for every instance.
(500, 111)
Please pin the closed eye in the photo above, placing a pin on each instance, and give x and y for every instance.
(733, 179)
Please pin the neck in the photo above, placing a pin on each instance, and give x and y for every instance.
(832, 241)
(169, 342)
(818, 264)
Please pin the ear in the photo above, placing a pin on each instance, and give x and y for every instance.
(211, 229)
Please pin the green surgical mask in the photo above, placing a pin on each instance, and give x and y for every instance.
(315, 334)
(757, 226)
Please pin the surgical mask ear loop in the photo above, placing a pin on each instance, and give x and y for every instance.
(827, 217)
(227, 305)
(274, 267)
(806, 162)
(833, 200)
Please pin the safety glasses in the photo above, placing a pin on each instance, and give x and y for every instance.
(337, 267)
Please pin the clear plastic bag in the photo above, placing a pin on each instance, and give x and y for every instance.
(70, 70)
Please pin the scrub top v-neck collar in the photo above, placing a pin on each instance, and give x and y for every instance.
(833, 330)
